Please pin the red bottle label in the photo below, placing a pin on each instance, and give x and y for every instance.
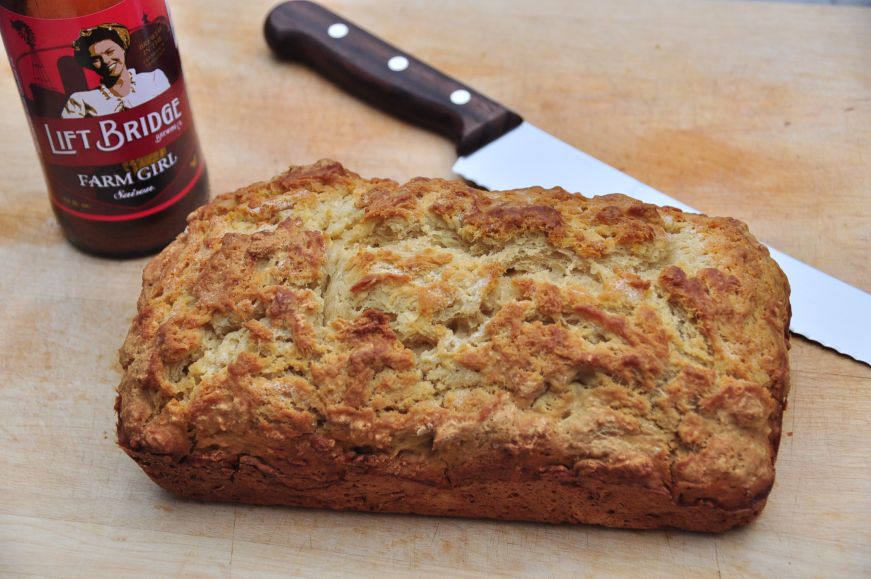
(108, 108)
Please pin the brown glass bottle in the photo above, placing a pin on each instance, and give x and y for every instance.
(139, 194)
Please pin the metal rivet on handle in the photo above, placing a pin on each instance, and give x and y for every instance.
(397, 63)
(338, 30)
(460, 97)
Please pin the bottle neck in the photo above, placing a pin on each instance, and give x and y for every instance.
(57, 8)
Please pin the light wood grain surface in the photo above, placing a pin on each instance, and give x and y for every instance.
(755, 110)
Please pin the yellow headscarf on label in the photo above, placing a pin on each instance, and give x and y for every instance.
(117, 33)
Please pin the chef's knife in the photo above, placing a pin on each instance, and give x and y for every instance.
(499, 150)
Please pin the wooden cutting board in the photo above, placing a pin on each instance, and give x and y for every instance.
(755, 110)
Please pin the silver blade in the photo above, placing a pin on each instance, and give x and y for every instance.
(824, 309)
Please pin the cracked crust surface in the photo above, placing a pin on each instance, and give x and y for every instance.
(325, 340)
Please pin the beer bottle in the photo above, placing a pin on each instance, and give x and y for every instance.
(102, 85)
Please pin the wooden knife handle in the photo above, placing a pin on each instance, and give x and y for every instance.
(385, 76)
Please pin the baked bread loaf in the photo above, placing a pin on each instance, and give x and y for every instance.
(323, 340)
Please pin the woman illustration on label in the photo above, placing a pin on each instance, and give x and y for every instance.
(103, 49)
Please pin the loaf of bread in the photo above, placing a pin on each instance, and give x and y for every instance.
(324, 340)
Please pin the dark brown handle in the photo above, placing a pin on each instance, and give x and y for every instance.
(386, 76)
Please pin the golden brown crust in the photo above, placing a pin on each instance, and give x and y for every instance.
(325, 340)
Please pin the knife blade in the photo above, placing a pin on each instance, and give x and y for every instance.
(499, 150)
